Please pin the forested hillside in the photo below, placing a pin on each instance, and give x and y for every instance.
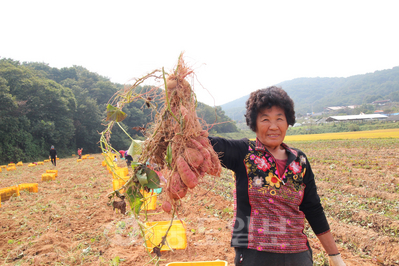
(315, 94)
(42, 106)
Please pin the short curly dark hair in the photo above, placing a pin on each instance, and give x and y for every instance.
(267, 98)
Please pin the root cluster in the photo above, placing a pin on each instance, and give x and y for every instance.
(178, 127)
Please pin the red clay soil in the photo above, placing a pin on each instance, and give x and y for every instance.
(68, 222)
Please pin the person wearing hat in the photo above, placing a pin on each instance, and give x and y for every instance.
(53, 155)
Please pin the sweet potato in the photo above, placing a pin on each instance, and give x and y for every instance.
(166, 206)
(171, 83)
(215, 168)
(185, 88)
(177, 189)
(193, 157)
(186, 115)
(204, 141)
(206, 164)
(187, 176)
(204, 133)
(201, 149)
(190, 119)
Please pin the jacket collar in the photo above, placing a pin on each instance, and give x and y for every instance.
(260, 147)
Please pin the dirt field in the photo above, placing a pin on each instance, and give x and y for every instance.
(68, 221)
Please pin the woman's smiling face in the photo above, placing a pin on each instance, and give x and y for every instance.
(271, 126)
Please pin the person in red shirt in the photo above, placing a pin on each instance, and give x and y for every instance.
(122, 152)
(80, 152)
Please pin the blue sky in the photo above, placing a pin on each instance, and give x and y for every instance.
(235, 47)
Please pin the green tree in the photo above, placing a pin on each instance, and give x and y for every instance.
(216, 118)
(371, 98)
(87, 121)
(45, 108)
(394, 96)
(364, 108)
(15, 143)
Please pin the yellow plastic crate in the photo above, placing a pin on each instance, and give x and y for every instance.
(53, 171)
(1, 170)
(91, 157)
(118, 183)
(48, 176)
(121, 172)
(20, 164)
(40, 163)
(12, 168)
(79, 160)
(199, 263)
(11, 164)
(3, 166)
(57, 158)
(113, 168)
(31, 165)
(150, 201)
(46, 161)
(103, 163)
(125, 171)
(109, 160)
(8, 192)
(176, 237)
(31, 187)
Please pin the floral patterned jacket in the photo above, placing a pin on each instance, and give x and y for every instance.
(270, 209)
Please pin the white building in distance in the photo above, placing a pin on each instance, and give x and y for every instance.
(361, 117)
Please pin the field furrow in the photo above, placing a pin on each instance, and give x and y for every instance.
(69, 222)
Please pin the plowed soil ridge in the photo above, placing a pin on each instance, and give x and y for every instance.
(68, 222)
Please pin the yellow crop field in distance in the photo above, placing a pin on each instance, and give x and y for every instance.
(382, 133)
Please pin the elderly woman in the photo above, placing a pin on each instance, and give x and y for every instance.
(275, 189)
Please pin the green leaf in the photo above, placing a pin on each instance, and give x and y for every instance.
(135, 164)
(134, 197)
(168, 156)
(135, 147)
(115, 114)
(152, 178)
(115, 261)
(142, 177)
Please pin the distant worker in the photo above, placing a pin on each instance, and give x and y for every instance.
(122, 152)
(53, 155)
(129, 159)
(80, 152)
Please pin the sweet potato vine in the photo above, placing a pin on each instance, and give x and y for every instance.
(175, 143)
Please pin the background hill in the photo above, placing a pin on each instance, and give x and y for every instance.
(42, 106)
(315, 94)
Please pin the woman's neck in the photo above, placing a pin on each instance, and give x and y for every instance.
(278, 152)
